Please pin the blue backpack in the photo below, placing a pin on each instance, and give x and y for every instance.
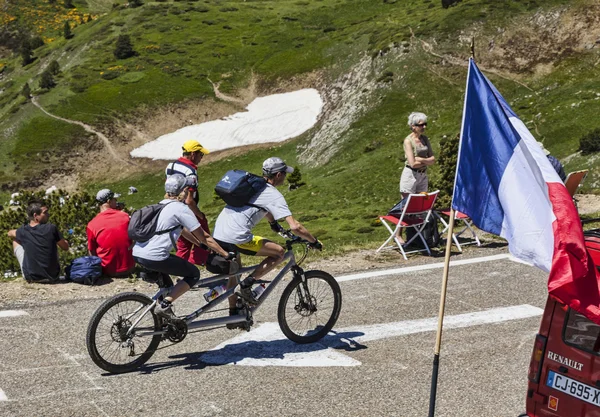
(237, 187)
(85, 270)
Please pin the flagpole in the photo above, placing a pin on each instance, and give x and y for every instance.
(438, 340)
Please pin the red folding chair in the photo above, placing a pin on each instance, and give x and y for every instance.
(458, 217)
(415, 214)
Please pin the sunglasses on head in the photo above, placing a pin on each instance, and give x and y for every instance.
(421, 124)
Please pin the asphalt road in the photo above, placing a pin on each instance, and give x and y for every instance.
(361, 369)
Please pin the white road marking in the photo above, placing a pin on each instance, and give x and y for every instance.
(3, 396)
(407, 269)
(13, 313)
(401, 328)
(266, 345)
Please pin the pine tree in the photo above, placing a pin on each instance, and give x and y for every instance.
(67, 30)
(53, 67)
(295, 179)
(123, 47)
(447, 162)
(47, 80)
(26, 91)
(26, 54)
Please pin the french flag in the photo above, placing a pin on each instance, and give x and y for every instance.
(505, 183)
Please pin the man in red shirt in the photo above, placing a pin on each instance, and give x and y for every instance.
(187, 166)
(107, 236)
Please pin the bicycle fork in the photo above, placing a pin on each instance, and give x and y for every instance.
(306, 300)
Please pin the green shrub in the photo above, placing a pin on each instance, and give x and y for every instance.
(26, 55)
(26, 91)
(447, 162)
(123, 47)
(590, 142)
(295, 179)
(371, 146)
(53, 67)
(448, 3)
(67, 30)
(47, 80)
(36, 42)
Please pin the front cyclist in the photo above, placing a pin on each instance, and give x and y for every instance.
(233, 230)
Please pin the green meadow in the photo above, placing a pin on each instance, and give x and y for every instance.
(180, 45)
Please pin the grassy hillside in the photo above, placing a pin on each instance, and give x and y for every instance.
(418, 51)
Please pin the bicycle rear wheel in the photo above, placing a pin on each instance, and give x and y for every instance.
(107, 341)
(308, 312)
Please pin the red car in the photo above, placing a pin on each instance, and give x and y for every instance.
(564, 373)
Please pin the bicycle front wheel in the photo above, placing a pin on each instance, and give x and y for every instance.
(108, 343)
(308, 311)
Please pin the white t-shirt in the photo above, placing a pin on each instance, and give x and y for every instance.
(159, 247)
(235, 224)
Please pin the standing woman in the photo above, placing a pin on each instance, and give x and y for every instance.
(419, 155)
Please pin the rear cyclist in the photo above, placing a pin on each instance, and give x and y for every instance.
(155, 254)
(233, 229)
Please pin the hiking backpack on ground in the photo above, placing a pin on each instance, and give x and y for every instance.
(143, 223)
(85, 270)
(430, 233)
(237, 187)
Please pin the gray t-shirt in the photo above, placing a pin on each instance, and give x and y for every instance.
(235, 224)
(159, 247)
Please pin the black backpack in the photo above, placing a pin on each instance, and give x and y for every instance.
(143, 222)
(430, 233)
(237, 187)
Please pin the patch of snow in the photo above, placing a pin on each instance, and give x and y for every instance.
(273, 118)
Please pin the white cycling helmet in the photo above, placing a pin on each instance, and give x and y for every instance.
(175, 184)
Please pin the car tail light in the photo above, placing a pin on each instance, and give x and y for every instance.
(537, 358)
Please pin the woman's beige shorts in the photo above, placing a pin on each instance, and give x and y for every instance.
(413, 182)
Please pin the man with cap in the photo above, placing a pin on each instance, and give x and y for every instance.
(558, 167)
(35, 244)
(233, 230)
(107, 236)
(187, 166)
(155, 254)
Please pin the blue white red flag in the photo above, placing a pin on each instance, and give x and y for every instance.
(505, 183)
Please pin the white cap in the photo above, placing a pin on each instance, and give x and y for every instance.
(274, 165)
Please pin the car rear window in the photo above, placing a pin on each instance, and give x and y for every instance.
(581, 332)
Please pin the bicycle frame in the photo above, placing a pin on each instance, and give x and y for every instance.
(221, 321)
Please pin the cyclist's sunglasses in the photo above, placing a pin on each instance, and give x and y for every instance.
(421, 124)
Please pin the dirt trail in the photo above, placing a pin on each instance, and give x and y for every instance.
(224, 97)
(462, 63)
(87, 128)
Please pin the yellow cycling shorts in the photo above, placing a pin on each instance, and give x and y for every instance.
(249, 248)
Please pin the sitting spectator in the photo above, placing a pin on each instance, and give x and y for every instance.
(558, 167)
(34, 244)
(107, 236)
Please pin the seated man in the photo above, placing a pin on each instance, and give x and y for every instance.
(34, 244)
(155, 254)
(233, 230)
(107, 236)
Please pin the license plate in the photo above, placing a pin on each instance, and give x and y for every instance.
(574, 388)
